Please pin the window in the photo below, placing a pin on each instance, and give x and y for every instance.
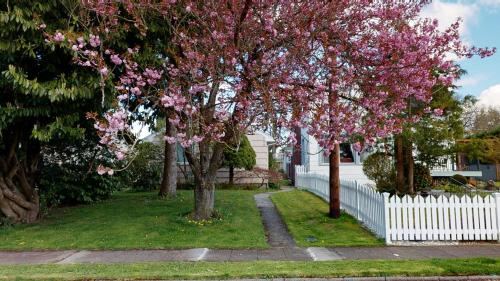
(346, 155)
(181, 157)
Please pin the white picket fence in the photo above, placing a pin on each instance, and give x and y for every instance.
(412, 218)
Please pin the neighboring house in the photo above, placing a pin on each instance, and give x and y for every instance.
(260, 143)
(450, 166)
(284, 157)
(310, 155)
(488, 171)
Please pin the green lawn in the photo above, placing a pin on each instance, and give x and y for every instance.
(259, 269)
(141, 220)
(306, 217)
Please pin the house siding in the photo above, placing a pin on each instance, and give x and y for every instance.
(241, 176)
(313, 161)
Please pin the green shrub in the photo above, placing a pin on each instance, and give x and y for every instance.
(65, 185)
(244, 186)
(241, 156)
(451, 188)
(145, 171)
(459, 179)
(422, 178)
(379, 168)
(68, 175)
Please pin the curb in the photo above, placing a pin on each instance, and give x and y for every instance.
(388, 278)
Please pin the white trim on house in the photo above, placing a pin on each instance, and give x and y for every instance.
(312, 155)
(311, 160)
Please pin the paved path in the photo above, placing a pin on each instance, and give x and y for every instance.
(419, 252)
(276, 230)
(282, 254)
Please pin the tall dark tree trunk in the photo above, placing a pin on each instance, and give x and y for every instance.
(19, 199)
(296, 158)
(335, 182)
(168, 186)
(410, 166)
(231, 175)
(400, 171)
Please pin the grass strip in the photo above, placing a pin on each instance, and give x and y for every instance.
(306, 217)
(258, 269)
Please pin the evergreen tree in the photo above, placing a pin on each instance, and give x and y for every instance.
(240, 156)
(43, 96)
(432, 137)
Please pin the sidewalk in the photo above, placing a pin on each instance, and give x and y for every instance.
(274, 254)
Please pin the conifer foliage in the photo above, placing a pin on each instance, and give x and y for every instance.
(43, 95)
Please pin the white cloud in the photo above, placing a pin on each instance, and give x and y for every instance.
(447, 13)
(470, 80)
(490, 97)
(490, 2)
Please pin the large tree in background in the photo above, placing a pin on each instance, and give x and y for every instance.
(485, 119)
(338, 68)
(43, 95)
(433, 136)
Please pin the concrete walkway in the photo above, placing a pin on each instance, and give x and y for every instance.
(276, 254)
(276, 230)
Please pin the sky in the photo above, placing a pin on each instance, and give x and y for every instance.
(481, 28)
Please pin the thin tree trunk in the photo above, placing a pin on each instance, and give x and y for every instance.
(409, 157)
(296, 154)
(231, 175)
(400, 177)
(335, 182)
(168, 186)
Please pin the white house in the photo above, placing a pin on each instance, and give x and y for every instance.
(312, 157)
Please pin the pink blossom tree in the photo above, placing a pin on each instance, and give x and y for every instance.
(337, 68)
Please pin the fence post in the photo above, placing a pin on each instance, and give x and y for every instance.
(357, 198)
(496, 196)
(387, 221)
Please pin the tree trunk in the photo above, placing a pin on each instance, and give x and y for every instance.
(19, 199)
(15, 205)
(400, 177)
(205, 173)
(231, 175)
(296, 154)
(409, 158)
(335, 182)
(168, 186)
(204, 200)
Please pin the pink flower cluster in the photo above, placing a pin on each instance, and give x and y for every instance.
(335, 68)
